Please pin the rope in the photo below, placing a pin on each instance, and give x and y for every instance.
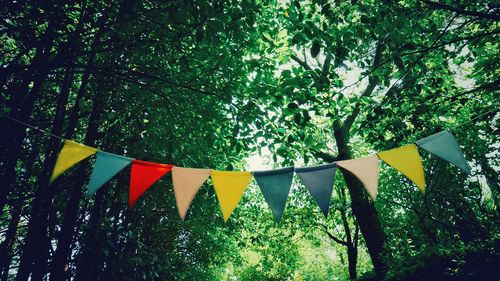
(32, 127)
(472, 119)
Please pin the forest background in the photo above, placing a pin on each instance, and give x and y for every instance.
(241, 85)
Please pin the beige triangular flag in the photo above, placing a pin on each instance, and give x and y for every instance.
(187, 182)
(366, 169)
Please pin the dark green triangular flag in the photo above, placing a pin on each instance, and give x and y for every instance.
(275, 186)
(444, 145)
(319, 181)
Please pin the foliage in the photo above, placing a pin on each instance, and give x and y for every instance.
(208, 84)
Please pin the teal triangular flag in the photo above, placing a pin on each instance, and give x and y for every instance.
(275, 186)
(319, 181)
(107, 165)
(444, 145)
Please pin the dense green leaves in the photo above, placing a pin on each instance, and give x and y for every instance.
(208, 84)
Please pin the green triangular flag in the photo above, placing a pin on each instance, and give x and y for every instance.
(107, 165)
(319, 181)
(444, 145)
(275, 186)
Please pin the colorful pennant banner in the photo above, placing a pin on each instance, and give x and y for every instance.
(366, 169)
(229, 187)
(406, 160)
(186, 183)
(319, 181)
(275, 185)
(444, 145)
(70, 154)
(106, 166)
(143, 175)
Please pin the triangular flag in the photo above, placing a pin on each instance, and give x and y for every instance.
(107, 165)
(186, 182)
(406, 160)
(319, 181)
(444, 145)
(366, 169)
(229, 187)
(71, 153)
(142, 176)
(275, 186)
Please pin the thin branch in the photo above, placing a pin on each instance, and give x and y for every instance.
(493, 86)
(449, 226)
(301, 62)
(369, 88)
(422, 50)
(399, 83)
(441, 6)
(333, 236)
(456, 40)
(325, 156)
(122, 73)
(356, 234)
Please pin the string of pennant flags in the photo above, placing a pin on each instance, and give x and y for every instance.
(274, 184)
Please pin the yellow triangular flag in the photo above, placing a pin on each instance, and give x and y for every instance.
(366, 170)
(229, 187)
(186, 182)
(70, 154)
(406, 160)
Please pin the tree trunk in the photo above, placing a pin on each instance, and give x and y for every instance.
(14, 142)
(21, 106)
(9, 239)
(88, 261)
(351, 245)
(44, 195)
(37, 226)
(363, 209)
(63, 251)
(352, 257)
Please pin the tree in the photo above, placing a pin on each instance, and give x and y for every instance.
(318, 43)
(207, 83)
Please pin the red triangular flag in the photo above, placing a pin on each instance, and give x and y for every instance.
(142, 176)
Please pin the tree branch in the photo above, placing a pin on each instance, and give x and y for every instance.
(456, 40)
(356, 235)
(301, 62)
(441, 6)
(422, 50)
(325, 156)
(369, 88)
(331, 236)
(493, 86)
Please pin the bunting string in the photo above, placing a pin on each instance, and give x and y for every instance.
(32, 127)
(274, 184)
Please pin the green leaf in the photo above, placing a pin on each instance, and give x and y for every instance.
(281, 131)
(292, 106)
(297, 118)
(307, 117)
(315, 49)
(282, 151)
(199, 35)
(267, 36)
(399, 62)
(309, 140)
